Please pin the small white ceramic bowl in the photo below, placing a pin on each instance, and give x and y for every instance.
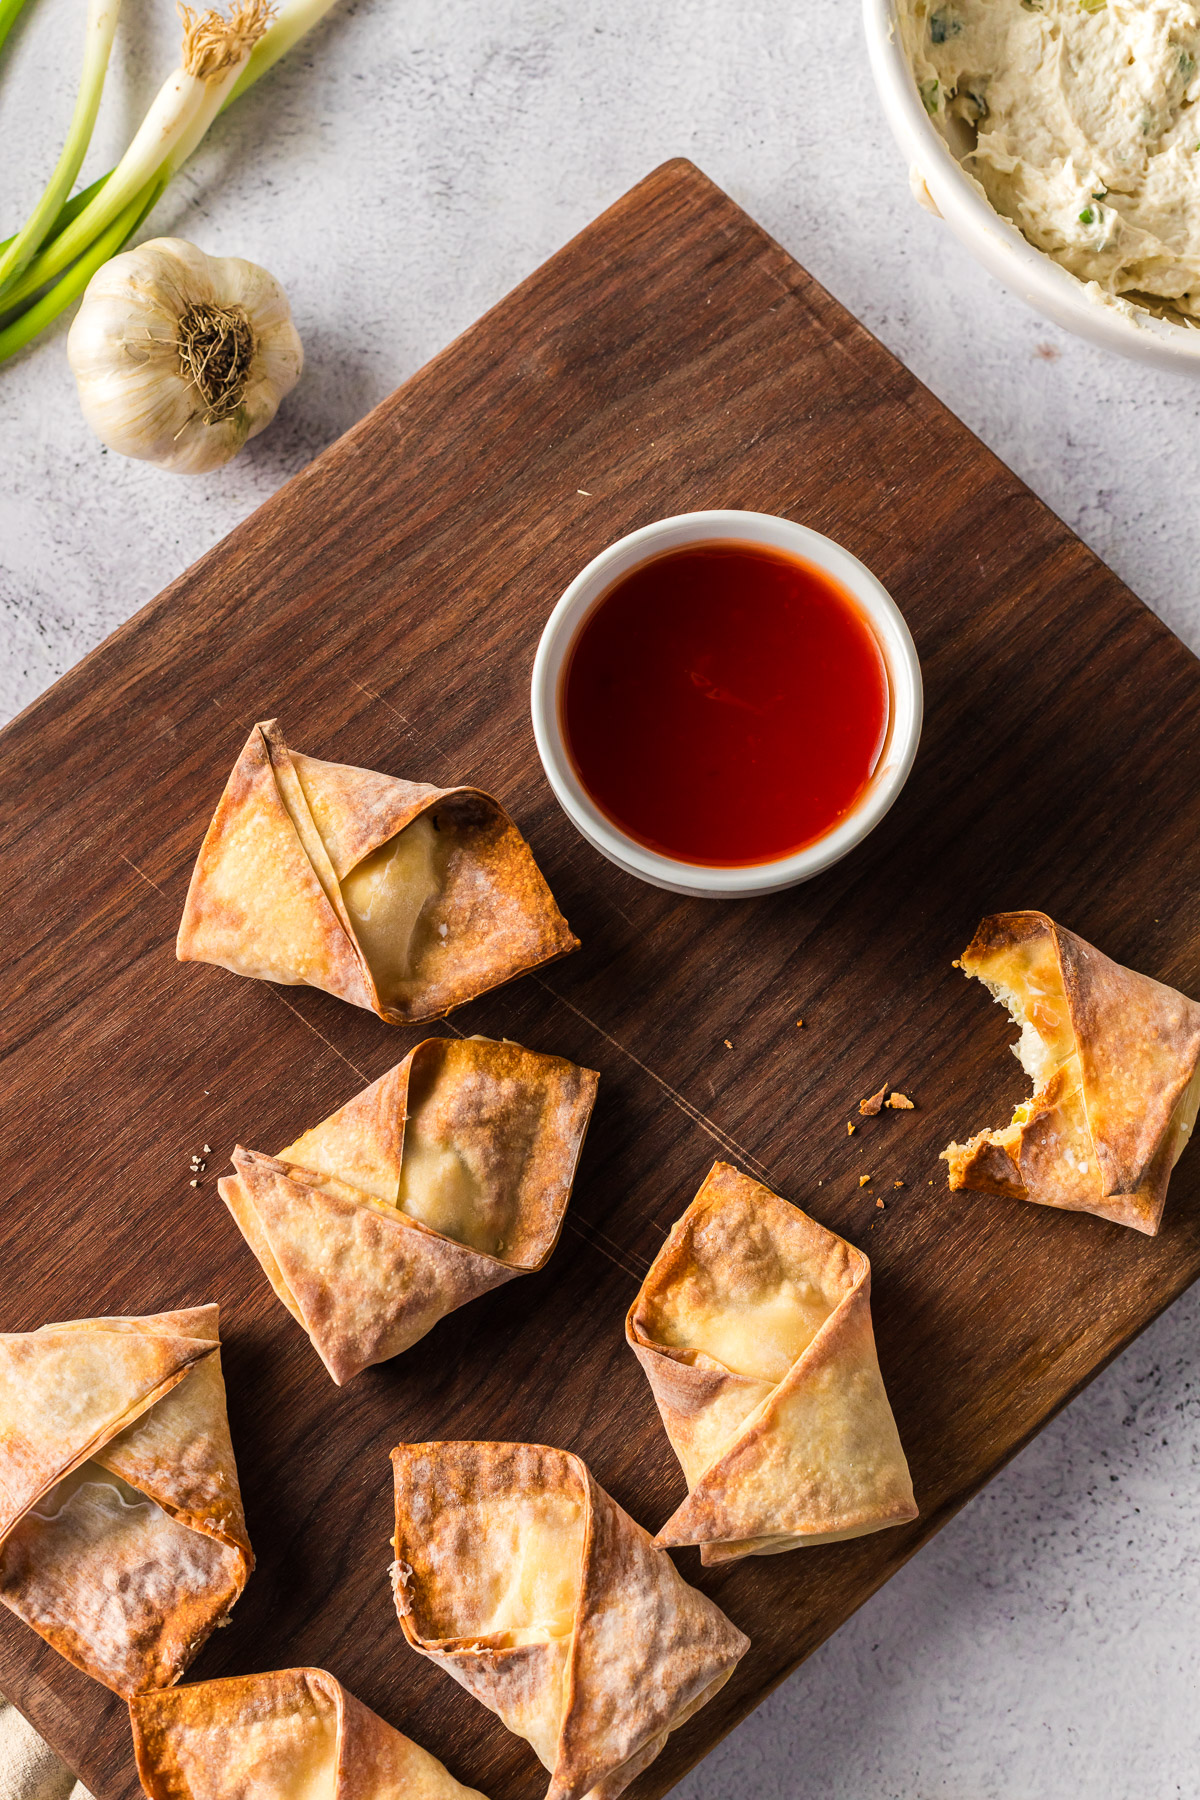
(904, 685)
(1044, 284)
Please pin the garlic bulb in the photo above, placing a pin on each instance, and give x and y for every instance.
(180, 357)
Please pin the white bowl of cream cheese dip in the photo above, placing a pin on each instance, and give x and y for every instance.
(1095, 198)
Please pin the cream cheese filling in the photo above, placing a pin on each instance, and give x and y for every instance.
(1078, 120)
(386, 895)
(438, 1188)
(517, 1573)
(443, 1181)
(760, 1336)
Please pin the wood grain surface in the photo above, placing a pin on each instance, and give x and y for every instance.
(385, 606)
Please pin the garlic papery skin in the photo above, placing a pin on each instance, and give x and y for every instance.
(180, 358)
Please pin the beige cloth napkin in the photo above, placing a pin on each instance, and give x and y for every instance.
(29, 1769)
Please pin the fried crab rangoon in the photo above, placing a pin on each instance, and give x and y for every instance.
(527, 1583)
(446, 1177)
(754, 1330)
(1115, 1061)
(399, 897)
(122, 1539)
(295, 1734)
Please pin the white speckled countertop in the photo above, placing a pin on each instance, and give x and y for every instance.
(410, 163)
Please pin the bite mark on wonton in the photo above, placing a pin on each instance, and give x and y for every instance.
(1114, 1057)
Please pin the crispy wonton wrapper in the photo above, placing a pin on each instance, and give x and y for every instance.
(1115, 1062)
(399, 897)
(754, 1328)
(122, 1540)
(293, 1735)
(530, 1586)
(446, 1177)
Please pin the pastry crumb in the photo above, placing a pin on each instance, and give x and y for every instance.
(879, 1204)
(849, 1128)
(900, 1102)
(863, 1180)
(897, 1184)
(728, 1044)
(874, 1103)
(799, 1024)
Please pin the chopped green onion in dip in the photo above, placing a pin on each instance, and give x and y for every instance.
(1077, 118)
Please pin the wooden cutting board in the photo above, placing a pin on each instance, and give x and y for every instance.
(385, 606)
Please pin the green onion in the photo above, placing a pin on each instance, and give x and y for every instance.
(1087, 216)
(101, 24)
(8, 16)
(43, 312)
(71, 210)
(221, 58)
(214, 51)
(929, 95)
(287, 28)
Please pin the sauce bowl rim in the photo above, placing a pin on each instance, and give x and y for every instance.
(768, 530)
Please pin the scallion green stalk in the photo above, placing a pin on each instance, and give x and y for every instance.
(293, 19)
(9, 10)
(289, 25)
(71, 209)
(221, 59)
(26, 326)
(101, 24)
(185, 107)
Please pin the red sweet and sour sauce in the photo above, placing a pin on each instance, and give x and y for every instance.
(725, 704)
